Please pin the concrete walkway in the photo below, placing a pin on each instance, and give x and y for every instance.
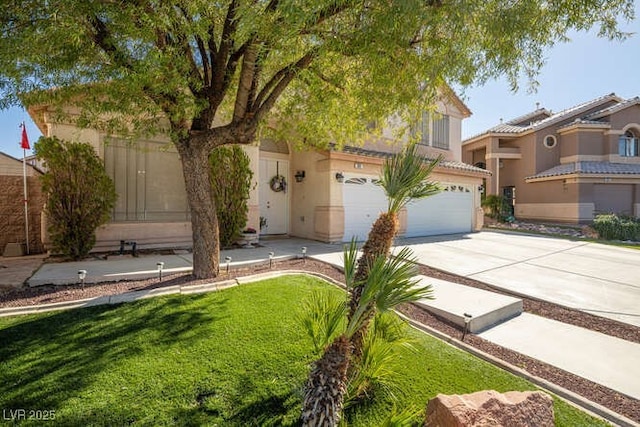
(603, 359)
(145, 266)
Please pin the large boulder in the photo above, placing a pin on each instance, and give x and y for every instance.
(490, 408)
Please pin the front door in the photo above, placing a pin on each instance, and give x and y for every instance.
(274, 196)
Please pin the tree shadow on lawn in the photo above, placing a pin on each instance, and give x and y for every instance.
(281, 409)
(48, 360)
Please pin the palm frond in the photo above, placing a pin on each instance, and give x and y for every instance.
(350, 258)
(407, 416)
(384, 346)
(322, 317)
(405, 178)
(391, 281)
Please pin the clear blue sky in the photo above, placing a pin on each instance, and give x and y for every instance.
(583, 69)
(575, 72)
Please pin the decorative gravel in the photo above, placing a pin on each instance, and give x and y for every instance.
(604, 396)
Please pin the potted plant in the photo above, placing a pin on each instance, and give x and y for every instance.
(248, 237)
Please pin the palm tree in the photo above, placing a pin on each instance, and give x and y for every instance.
(405, 177)
(390, 282)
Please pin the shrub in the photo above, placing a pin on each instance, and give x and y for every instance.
(614, 227)
(497, 207)
(231, 177)
(80, 194)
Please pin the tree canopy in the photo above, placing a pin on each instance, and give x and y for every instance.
(215, 70)
(209, 65)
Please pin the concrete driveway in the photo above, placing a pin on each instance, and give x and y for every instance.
(600, 279)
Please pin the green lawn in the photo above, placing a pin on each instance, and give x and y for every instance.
(235, 357)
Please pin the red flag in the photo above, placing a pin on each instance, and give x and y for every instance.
(25, 140)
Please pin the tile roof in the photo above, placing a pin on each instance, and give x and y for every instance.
(612, 109)
(447, 164)
(590, 168)
(589, 123)
(516, 126)
(528, 118)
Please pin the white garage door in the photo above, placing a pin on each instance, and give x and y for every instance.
(363, 203)
(448, 212)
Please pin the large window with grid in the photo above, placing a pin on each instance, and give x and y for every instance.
(148, 181)
(432, 130)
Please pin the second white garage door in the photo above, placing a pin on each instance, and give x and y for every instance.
(448, 212)
(445, 213)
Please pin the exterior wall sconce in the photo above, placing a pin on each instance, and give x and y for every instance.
(358, 165)
(339, 177)
(299, 176)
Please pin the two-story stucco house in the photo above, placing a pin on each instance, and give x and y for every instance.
(329, 195)
(567, 166)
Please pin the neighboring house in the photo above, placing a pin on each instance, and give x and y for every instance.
(12, 219)
(567, 166)
(329, 195)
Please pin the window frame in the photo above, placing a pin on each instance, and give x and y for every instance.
(546, 138)
(431, 128)
(629, 145)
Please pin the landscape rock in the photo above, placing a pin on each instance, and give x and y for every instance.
(490, 408)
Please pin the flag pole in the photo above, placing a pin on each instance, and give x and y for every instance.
(24, 180)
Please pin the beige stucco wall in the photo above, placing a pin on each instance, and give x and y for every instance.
(556, 212)
(145, 234)
(311, 216)
(253, 204)
(583, 144)
(622, 118)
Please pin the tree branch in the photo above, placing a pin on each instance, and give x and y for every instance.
(223, 54)
(278, 84)
(247, 75)
(101, 36)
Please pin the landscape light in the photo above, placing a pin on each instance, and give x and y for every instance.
(228, 260)
(82, 274)
(160, 265)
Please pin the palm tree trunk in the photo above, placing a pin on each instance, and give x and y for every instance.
(378, 243)
(327, 385)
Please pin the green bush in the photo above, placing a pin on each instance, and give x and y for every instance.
(497, 206)
(614, 227)
(231, 177)
(80, 195)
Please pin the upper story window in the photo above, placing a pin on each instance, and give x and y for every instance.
(628, 145)
(432, 130)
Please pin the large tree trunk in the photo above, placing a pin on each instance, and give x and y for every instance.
(327, 385)
(204, 221)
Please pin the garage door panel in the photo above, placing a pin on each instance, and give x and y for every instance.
(363, 203)
(447, 212)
